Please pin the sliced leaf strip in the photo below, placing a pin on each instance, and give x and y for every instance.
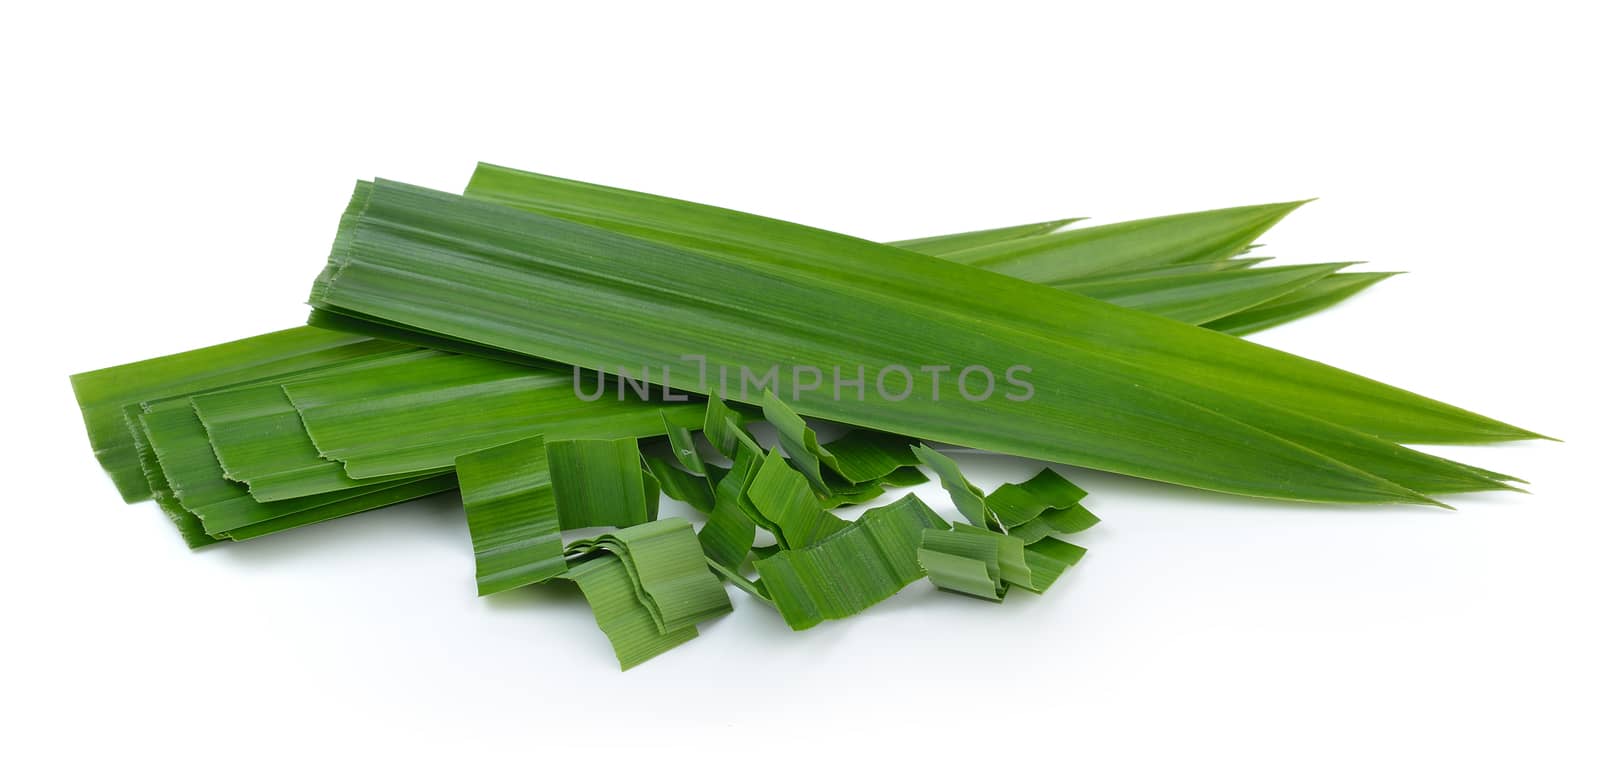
(259, 439)
(865, 563)
(359, 503)
(511, 515)
(681, 440)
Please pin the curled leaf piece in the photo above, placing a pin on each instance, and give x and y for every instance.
(968, 499)
(864, 563)
(799, 442)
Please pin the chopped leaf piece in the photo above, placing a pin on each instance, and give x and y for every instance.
(618, 611)
(682, 441)
(865, 455)
(796, 517)
(851, 570)
(668, 570)
(681, 485)
(1003, 559)
(799, 442)
(728, 534)
(1048, 559)
(511, 514)
(598, 482)
(968, 499)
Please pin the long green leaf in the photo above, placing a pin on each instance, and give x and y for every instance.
(1240, 368)
(1088, 389)
(946, 244)
(1204, 297)
(1298, 304)
(1185, 238)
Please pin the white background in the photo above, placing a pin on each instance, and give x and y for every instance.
(172, 176)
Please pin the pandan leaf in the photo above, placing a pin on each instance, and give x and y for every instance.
(1298, 304)
(1344, 398)
(598, 482)
(1181, 441)
(668, 571)
(103, 394)
(865, 455)
(864, 563)
(790, 509)
(799, 442)
(511, 515)
(946, 244)
(1205, 297)
(681, 485)
(418, 417)
(620, 613)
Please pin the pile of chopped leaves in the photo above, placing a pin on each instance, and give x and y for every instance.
(565, 354)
